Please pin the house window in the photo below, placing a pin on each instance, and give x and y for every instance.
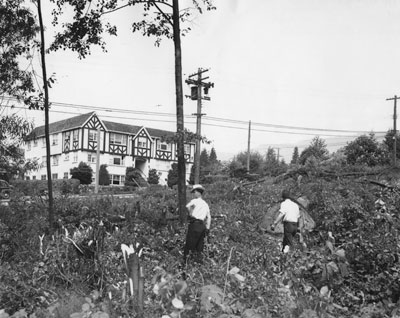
(117, 179)
(118, 161)
(91, 158)
(75, 158)
(65, 175)
(55, 160)
(43, 142)
(35, 143)
(54, 176)
(33, 177)
(164, 146)
(76, 135)
(28, 144)
(142, 142)
(55, 140)
(43, 177)
(27, 178)
(92, 135)
(117, 139)
(66, 158)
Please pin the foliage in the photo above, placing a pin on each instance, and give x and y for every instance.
(213, 156)
(204, 158)
(133, 177)
(238, 165)
(84, 173)
(366, 150)
(272, 165)
(389, 142)
(172, 178)
(348, 268)
(13, 130)
(295, 156)
(18, 29)
(154, 177)
(317, 150)
(89, 23)
(104, 176)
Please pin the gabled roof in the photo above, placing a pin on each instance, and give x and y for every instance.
(62, 125)
(133, 130)
(79, 121)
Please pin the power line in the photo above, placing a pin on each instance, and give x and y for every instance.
(226, 120)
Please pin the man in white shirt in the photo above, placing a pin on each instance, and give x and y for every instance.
(199, 224)
(289, 213)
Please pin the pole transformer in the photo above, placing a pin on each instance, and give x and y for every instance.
(198, 87)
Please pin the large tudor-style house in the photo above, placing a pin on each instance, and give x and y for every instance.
(75, 140)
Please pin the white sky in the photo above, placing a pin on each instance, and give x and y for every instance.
(305, 63)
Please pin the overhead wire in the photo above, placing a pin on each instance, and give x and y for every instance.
(325, 131)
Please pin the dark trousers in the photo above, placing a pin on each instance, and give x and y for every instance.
(194, 239)
(289, 231)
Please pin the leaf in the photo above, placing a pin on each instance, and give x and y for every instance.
(177, 303)
(239, 277)
(234, 271)
(341, 253)
(210, 294)
(324, 291)
(332, 268)
(330, 246)
(251, 313)
(180, 287)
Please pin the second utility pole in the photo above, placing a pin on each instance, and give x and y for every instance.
(196, 94)
(395, 98)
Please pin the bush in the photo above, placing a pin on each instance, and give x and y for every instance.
(153, 178)
(84, 173)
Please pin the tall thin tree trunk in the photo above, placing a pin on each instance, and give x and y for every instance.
(46, 115)
(179, 113)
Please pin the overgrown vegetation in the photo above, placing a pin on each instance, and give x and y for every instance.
(352, 272)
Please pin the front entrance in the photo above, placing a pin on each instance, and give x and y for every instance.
(142, 166)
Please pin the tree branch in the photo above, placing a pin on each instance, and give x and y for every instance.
(162, 12)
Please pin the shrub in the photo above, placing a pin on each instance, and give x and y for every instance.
(153, 178)
(84, 173)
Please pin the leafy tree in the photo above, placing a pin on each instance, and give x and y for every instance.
(18, 30)
(238, 165)
(87, 28)
(366, 150)
(173, 175)
(213, 156)
(215, 165)
(153, 178)
(295, 156)
(389, 142)
(204, 158)
(317, 150)
(13, 130)
(271, 165)
(83, 173)
(104, 176)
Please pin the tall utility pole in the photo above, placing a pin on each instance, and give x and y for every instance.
(395, 98)
(248, 148)
(196, 94)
